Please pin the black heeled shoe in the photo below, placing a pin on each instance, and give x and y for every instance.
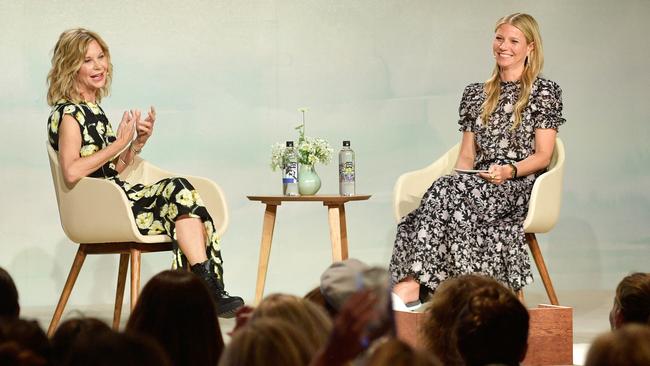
(227, 305)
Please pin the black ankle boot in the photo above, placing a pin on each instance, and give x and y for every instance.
(227, 305)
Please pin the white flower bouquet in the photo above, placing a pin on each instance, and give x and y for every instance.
(310, 150)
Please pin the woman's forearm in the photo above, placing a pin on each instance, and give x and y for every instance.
(75, 167)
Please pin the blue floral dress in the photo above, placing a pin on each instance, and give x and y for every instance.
(465, 224)
(155, 207)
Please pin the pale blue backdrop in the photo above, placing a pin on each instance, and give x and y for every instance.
(228, 77)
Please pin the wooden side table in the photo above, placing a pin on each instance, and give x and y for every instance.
(338, 229)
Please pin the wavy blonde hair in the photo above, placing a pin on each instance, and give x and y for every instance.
(67, 58)
(532, 67)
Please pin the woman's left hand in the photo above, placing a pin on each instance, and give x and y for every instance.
(497, 174)
(144, 128)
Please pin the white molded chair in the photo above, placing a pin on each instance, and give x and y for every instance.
(96, 214)
(543, 207)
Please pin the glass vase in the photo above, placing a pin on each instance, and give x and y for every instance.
(308, 180)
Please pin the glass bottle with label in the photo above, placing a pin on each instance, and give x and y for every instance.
(290, 172)
(346, 170)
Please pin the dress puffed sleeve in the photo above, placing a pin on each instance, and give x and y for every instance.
(546, 105)
(470, 107)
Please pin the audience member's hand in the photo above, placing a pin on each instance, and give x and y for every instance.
(242, 317)
(348, 336)
(145, 128)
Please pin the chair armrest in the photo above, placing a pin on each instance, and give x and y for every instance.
(96, 211)
(411, 186)
(142, 171)
(546, 196)
(214, 200)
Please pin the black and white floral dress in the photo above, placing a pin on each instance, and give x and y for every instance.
(465, 224)
(155, 207)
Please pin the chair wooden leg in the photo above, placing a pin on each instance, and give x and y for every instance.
(541, 267)
(135, 276)
(119, 293)
(67, 289)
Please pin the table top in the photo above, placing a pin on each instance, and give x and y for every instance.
(325, 198)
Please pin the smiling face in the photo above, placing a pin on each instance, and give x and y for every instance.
(92, 75)
(510, 48)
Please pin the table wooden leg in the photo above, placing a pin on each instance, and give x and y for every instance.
(265, 250)
(338, 232)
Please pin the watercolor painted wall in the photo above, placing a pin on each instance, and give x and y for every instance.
(227, 78)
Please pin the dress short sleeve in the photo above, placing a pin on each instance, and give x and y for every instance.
(470, 107)
(59, 110)
(546, 105)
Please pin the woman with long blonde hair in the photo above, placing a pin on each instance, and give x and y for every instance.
(472, 221)
(79, 130)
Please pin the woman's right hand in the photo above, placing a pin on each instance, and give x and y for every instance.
(126, 129)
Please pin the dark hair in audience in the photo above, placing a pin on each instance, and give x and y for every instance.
(492, 327)
(628, 345)
(633, 298)
(268, 342)
(24, 339)
(71, 331)
(316, 296)
(9, 307)
(437, 329)
(109, 349)
(310, 319)
(176, 309)
(395, 352)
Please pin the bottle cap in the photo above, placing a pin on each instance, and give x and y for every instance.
(289, 143)
(346, 143)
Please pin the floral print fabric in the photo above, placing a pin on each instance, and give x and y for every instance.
(465, 224)
(155, 207)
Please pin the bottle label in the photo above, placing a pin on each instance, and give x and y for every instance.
(346, 172)
(290, 172)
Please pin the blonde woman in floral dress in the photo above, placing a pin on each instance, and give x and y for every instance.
(473, 223)
(88, 147)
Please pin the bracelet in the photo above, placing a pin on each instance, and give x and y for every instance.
(514, 170)
(134, 149)
(122, 160)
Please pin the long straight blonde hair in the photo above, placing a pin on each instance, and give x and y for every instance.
(532, 67)
(67, 58)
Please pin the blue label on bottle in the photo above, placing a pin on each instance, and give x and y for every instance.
(289, 180)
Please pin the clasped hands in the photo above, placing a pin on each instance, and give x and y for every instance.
(497, 174)
(132, 123)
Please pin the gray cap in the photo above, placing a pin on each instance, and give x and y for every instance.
(340, 280)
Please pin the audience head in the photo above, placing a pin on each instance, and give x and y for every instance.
(395, 352)
(176, 309)
(111, 348)
(628, 345)
(316, 296)
(71, 331)
(440, 320)
(23, 341)
(308, 318)
(340, 280)
(632, 301)
(9, 307)
(492, 327)
(268, 341)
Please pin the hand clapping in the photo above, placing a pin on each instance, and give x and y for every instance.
(144, 128)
